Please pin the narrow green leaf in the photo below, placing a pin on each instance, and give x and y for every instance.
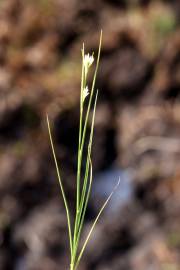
(60, 183)
(94, 224)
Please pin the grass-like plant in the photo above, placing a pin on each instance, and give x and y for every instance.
(83, 180)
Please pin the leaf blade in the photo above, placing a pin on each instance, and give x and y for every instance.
(94, 223)
(60, 183)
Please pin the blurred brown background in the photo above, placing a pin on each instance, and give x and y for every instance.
(136, 132)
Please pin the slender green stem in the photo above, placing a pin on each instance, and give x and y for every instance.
(91, 94)
(87, 161)
(84, 208)
(86, 190)
(83, 82)
(80, 132)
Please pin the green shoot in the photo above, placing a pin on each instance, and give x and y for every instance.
(83, 181)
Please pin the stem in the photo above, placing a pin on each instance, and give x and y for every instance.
(71, 267)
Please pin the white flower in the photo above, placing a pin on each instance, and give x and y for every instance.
(85, 93)
(87, 62)
(88, 59)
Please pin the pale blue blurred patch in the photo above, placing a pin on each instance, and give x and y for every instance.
(103, 184)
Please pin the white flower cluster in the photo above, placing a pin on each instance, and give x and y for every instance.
(87, 62)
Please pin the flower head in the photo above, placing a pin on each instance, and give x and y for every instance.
(88, 59)
(87, 62)
(85, 93)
